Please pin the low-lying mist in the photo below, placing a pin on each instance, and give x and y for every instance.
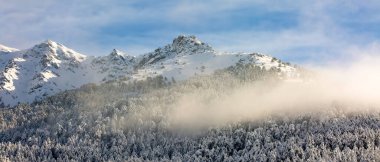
(328, 114)
(355, 86)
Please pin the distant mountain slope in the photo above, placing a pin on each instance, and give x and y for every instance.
(188, 56)
(50, 67)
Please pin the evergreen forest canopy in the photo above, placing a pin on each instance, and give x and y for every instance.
(160, 119)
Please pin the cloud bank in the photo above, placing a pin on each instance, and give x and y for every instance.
(298, 31)
(354, 87)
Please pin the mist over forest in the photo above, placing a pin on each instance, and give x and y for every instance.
(241, 113)
(189, 80)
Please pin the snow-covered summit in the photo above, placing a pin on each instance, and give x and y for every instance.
(185, 45)
(56, 50)
(181, 46)
(120, 55)
(42, 70)
(50, 67)
(190, 45)
(116, 52)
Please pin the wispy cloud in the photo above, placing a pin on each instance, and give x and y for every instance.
(300, 31)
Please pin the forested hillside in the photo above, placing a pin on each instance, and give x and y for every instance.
(140, 121)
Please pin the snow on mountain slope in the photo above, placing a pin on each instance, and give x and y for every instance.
(7, 49)
(117, 65)
(42, 70)
(188, 56)
(50, 67)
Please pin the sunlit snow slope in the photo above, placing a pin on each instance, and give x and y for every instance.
(49, 67)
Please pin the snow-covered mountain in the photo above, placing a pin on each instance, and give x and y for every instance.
(49, 67)
(188, 56)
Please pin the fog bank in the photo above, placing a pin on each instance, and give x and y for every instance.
(355, 85)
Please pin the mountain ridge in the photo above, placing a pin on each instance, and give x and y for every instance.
(50, 67)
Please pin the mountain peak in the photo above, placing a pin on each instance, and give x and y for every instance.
(7, 49)
(47, 44)
(49, 41)
(116, 52)
(191, 41)
(118, 55)
(55, 49)
(183, 39)
(181, 46)
(185, 45)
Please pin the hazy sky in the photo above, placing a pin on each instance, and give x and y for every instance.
(300, 31)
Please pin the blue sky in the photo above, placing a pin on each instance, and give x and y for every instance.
(299, 31)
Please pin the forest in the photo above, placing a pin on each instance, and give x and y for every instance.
(140, 121)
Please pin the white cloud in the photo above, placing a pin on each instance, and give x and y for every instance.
(78, 24)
